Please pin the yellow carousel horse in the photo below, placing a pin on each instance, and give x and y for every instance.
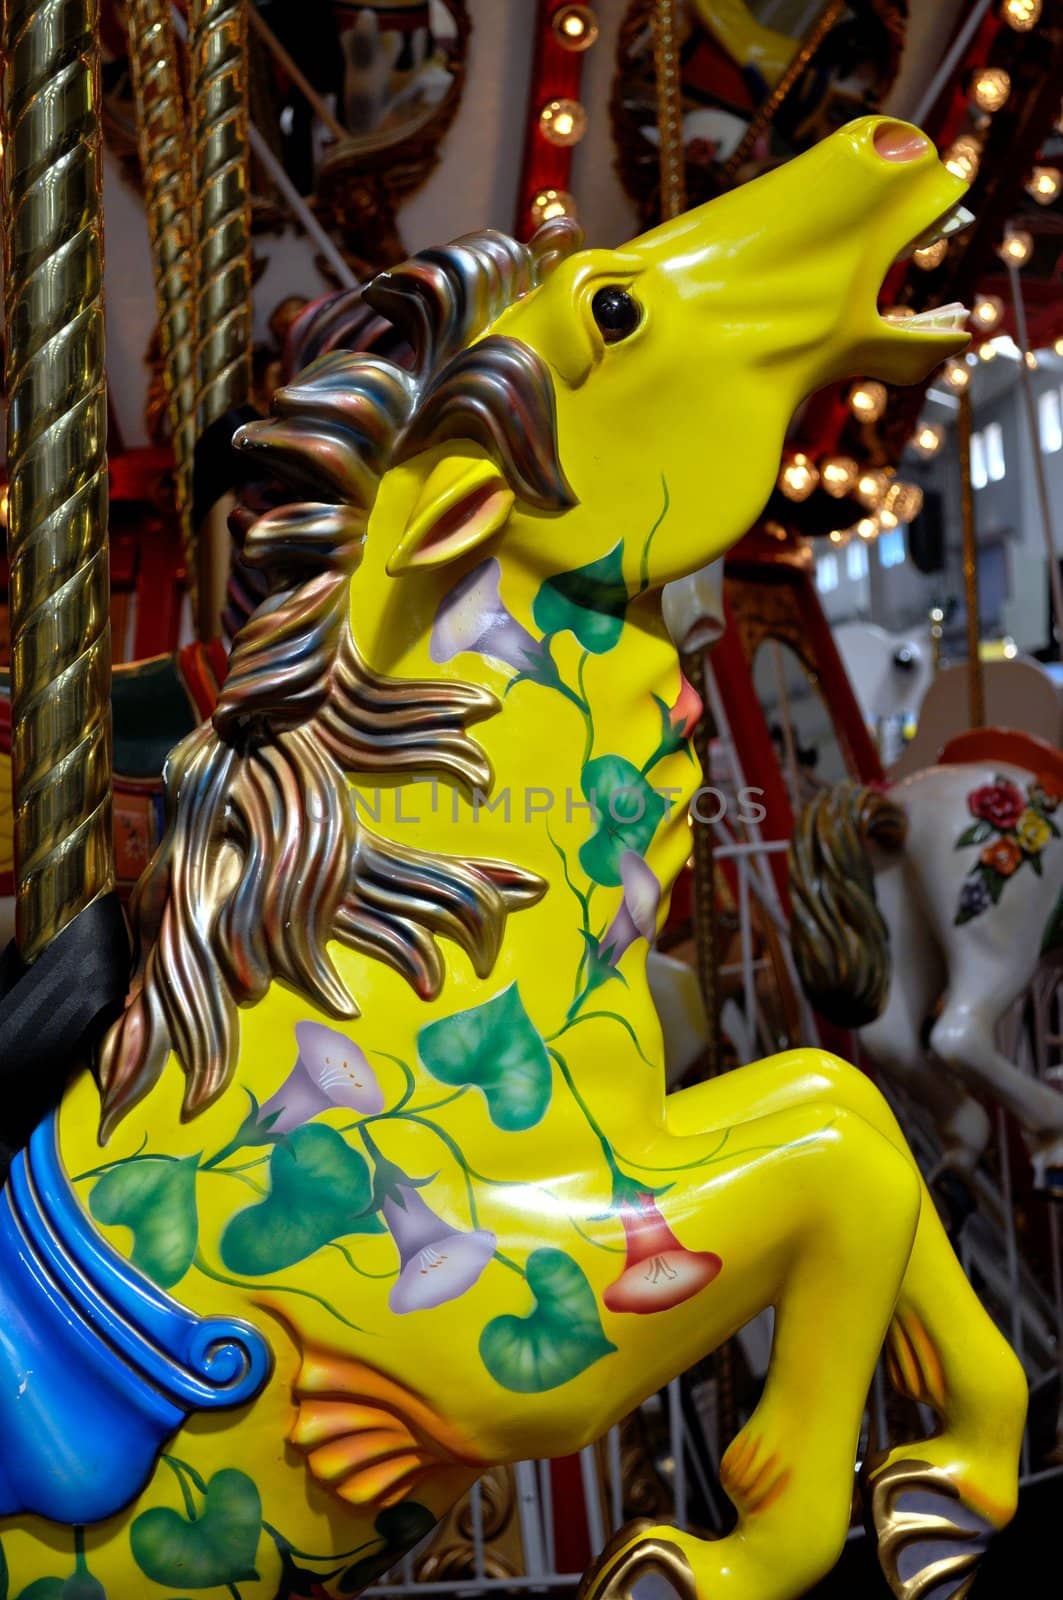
(390, 1186)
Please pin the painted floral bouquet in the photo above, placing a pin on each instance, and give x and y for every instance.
(1013, 829)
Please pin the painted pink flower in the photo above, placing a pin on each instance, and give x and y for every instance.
(1000, 803)
(637, 916)
(437, 1262)
(659, 1272)
(330, 1070)
(687, 709)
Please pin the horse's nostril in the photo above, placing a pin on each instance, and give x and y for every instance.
(897, 141)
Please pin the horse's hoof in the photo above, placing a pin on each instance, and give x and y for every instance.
(639, 1564)
(929, 1542)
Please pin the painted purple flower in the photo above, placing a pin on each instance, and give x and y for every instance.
(330, 1070)
(438, 1262)
(637, 916)
(473, 617)
(974, 899)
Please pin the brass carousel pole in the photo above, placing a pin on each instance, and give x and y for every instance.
(168, 202)
(975, 678)
(57, 430)
(222, 222)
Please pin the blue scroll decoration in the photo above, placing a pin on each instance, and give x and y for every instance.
(98, 1367)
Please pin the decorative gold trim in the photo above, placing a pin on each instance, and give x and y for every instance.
(57, 465)
(631, 1553)
(898, 1529)
(168, 201)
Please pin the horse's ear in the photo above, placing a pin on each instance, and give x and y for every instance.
(462, 502)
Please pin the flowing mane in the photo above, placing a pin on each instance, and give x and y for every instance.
(264, 859)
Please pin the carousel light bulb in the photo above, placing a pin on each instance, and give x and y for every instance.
(987, 312)
(957, 374)
(1016, 247)
(838, 474)
(888, 519)
(563, 122)
(1031, 360)
(905, 501)
(798, 478)
(987, 351)
(990, 88)
(1058, 347)
(963, 156)
(931, 255)
(867, 528)
(928, 439)
(575, 27)
(868, 401)
(838, 536)
(1044, 184)
(872, 486)
(550, 203)
(1022, 15)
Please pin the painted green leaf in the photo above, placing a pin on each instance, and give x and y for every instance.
(496, 1047)
(156, 1198)
(556, 1341)
(590, 601)
(628, 811)
(400, 1527)
(79, 1586)
(214, 1549)
(977, 833)
(320, 1189)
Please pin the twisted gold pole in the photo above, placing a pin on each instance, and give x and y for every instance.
(168, 201)
(669, 109)
(57, 433)
(218, 46)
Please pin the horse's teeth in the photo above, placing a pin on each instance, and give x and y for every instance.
(953, 221)
(938, 319)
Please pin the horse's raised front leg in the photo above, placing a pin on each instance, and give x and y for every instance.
(980, 991)
(944, 1350)
(817, 1220)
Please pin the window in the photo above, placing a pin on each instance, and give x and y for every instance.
(1050, 421)
(891, 548)
(979, 475)
(856, 559)
(994, 452)
(827, 574)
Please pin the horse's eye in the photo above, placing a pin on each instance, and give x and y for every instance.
(616, 312)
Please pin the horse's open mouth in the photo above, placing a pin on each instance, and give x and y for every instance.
(951, 318)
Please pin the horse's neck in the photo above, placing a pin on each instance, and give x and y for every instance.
(585, 723)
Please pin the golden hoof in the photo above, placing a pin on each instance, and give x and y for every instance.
(635, 1566)
(929, 1542)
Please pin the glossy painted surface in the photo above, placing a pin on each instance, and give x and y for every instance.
(968, 904)
(463, 1212)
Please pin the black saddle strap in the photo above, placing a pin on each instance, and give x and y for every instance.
(53, 1013)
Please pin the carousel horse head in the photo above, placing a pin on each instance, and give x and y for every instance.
(546, 396)
(683, 355)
